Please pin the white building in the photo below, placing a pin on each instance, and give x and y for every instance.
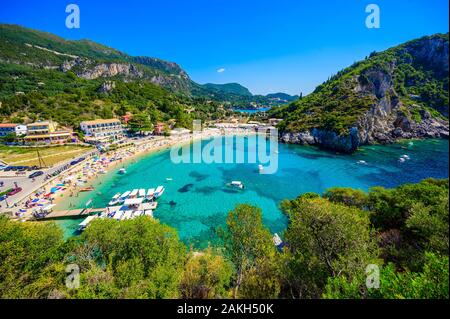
(100, 131)
(9, 128)
(180, 132)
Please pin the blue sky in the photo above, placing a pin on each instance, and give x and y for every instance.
(268, 46)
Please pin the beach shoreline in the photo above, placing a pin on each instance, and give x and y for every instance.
(89, 170)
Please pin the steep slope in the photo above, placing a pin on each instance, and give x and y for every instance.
(86, 59)
(399, 93)
(92, 61)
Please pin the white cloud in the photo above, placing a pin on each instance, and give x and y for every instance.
(221, 70)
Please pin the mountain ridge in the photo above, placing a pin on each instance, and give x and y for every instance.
(91, 60)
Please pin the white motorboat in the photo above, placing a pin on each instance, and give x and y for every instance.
(124, 196)
(122, 171)
(150, 194)
(148, 213)
(82, 226)
(134, 193)
(159, 191)
(237, 184)
(115, 200)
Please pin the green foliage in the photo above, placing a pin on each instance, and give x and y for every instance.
(432, 283)
(325, 240)
(249, 246)
(347, 196)
(330, 241)
(142, 255)
(207, 275)
(28, 253)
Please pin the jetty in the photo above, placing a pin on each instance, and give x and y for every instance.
(72, 213)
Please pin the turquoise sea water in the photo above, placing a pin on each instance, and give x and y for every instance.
(197, 200)
(251, 111)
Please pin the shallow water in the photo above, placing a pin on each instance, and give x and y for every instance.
(196, 200)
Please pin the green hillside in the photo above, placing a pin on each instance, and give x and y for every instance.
(413, 76)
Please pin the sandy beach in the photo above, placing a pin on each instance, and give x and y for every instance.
(81, 177)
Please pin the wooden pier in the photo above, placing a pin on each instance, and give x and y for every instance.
(73, 213)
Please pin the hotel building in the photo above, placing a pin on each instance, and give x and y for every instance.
(102, 131)
(46, 132)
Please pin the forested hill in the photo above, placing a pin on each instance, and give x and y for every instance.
(43, 76)
(399, 93)
(34, 62)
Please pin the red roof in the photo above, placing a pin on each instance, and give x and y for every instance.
(8, 125)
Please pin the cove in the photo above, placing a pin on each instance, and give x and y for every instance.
(197, 200)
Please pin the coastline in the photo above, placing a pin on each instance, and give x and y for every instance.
(131, 153)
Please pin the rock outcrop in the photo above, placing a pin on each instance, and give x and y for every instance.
(391, 113)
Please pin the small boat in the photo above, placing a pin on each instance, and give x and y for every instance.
(124, 196)
(148, 213)
(159, 191)
(141, 193)
(361, 162)
(401, 160)
(260, 167)
(150, 194)
(118, 215)
(137, 213)
(115, 200)
(127, 215)
(169, 179)
(82, 226)
(87, 189)
(237, 184)
(277, 240)
(406, 157)
(133, 193)
(122, 171)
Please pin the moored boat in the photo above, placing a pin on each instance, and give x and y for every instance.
(159, 191)
(150, 194)
(236, 184)
(82, 226)
(115, 200)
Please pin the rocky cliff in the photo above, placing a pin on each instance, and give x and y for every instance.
(399, 93)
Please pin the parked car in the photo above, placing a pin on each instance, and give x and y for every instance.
(36, 174)
(15, 191)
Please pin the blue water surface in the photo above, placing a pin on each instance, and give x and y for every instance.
(196, 200)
